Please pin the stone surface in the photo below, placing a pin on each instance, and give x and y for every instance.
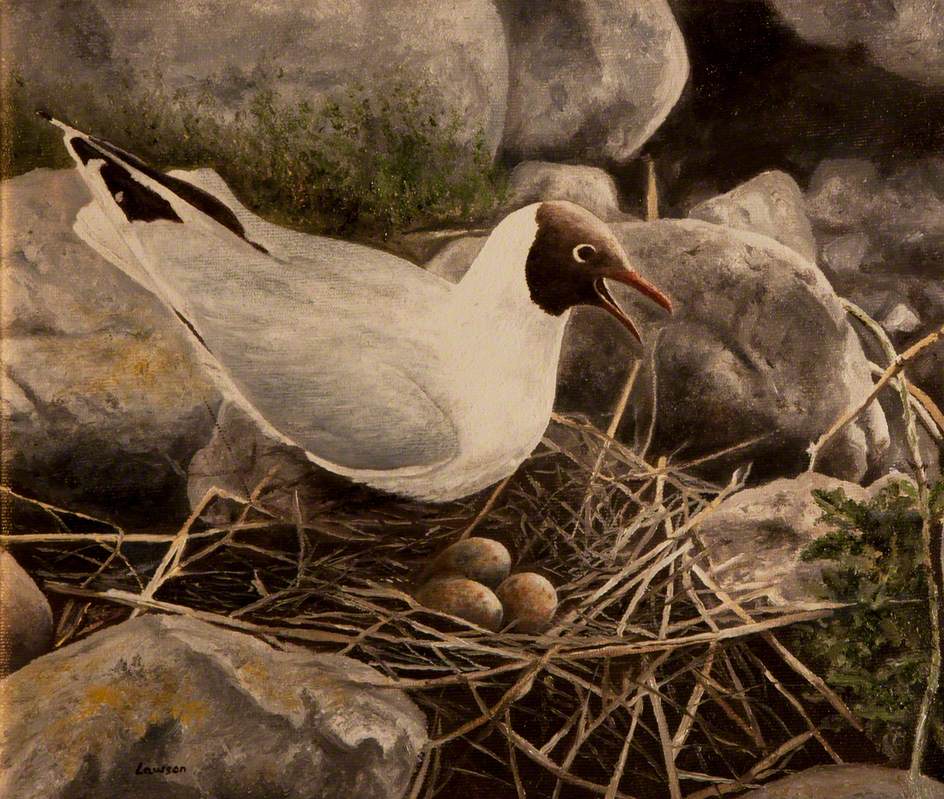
(590, 80)
(881, 483)
(235, 48)
(905, 37)
(843, 254)
(26, 626)
(587, 186)
(102, 400)
(848, 781)
(891, 227)
(901, 319)
(841, 192)
(758, 346)
(420, 245)
(234, 715)
(928, 373)
(454, 260)
(771, 204)
(902, 213)
(766, 528)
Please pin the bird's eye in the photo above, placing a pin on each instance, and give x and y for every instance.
(584, 252)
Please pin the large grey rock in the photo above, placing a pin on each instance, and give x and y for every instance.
(234, 48)
(848, 781)
(882, 238)
(230, 716)
(759, 346)
(928, 372)
(771, 204)
(892, 477)
(590, 80)
(767, 528)
(903, 36)
(901, 214)
(26, 629)
(102, 400)
(587, 186)
(419, 246)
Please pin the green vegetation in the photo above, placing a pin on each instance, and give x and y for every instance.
(366, 162)
(876, 653)
(28, 142)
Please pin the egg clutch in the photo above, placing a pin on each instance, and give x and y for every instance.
(471, 580)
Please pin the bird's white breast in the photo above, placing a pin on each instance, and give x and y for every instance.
(501, 354)
(501, 389)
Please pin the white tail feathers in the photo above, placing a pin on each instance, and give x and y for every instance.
(94, 227)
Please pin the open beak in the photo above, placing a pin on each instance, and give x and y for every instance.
(635, 281)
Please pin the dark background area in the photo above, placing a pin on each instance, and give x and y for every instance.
(760, 98)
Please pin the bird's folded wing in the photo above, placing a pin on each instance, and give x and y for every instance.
(330, 351)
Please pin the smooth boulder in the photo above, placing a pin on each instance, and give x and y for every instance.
(102, 399)
(901, 213)
(882, 238)
(590, 187)
(454, 259)
(164, 706)
(770, 203)
(590, 80)
(843, 254)
(26, 624)
(234, 50)
(766, 528)
(758, 355)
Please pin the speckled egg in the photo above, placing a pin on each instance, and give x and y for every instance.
(480, 559)
(464, 598)
(529, 600)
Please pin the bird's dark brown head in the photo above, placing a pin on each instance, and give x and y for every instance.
(573, 255)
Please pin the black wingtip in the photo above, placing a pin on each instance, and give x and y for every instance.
(42, 113)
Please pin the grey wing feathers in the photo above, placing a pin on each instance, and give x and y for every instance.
(318, 362)
(299, 340)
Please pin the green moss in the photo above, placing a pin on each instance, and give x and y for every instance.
(876, 653)
(367, 161)
(28, 141)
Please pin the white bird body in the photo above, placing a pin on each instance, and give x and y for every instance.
(381, 372)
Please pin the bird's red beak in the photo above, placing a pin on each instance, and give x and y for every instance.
(634, 280)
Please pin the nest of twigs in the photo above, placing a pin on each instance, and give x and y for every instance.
(644, 686)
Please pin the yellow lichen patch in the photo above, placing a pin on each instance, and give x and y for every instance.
(141, 369)
(115, 699)
(153, 372)
(141, 704)
(275, 690)
(124, 706)
(131, 364)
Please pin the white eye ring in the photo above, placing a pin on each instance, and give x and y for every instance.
(582, 259)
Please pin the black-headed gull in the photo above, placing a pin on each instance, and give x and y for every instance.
(381, 372)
